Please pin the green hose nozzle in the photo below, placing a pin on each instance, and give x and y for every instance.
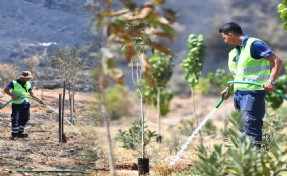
(53, 171)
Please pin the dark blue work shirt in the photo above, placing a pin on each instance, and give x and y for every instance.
(258, 49)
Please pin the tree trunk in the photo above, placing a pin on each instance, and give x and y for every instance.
(73, 96)
(106, 118)
(158, 115)
(195, 115)
(71, 100)
(63, 101)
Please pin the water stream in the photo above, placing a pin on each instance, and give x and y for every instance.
(54, 110)
(51, 108)
(190, 138)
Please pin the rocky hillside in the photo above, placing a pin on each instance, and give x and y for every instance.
(28, 27)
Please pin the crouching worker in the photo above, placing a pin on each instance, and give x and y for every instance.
(18, 90)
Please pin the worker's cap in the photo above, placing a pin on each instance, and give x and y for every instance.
(26, 74)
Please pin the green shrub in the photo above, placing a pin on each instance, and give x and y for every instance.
(274, 99)
(186, 127)
(117, 101)
(150, 97)
(282, 11)
(219, 79)
(93, 154)
(132, 138)
(209, 128)
(203, 87)
(237, 156)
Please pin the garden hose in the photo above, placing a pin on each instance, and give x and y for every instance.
(33, 98)
(2, 106)
(53, 171)
(251, 83)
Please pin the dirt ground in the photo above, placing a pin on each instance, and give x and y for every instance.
(41, 151)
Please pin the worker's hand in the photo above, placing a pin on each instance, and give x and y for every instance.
(268, 87)
(41, 102)
(14, 97)
(224, 94)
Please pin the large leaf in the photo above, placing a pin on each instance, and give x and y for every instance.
(128, 4)
(158, 2)
(170, 15)
(162, 48)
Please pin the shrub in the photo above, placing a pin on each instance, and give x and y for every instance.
(274, 99)
(237, 156)
(93, 153)
(132, 138)
(219, 78)
(117, 101)
(150, 97)
(203, 86)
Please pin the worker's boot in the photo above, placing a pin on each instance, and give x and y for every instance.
(14, 136)
(22, 135)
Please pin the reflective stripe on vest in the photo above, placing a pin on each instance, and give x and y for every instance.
(248, 68)
(19, 91)
(254, 69)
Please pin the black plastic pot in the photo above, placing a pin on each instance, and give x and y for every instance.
(143, 166)
(158, 138)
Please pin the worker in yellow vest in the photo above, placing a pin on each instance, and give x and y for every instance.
(253, 61)
(19, 90)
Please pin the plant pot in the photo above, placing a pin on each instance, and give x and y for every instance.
(158, 138)
(143, 166)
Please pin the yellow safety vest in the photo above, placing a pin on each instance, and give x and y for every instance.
(20, 91)
(245, 68)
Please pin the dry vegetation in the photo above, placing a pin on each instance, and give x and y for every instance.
(42, 151)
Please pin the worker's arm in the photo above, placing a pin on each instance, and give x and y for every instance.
(7, 91)
(276, 66)
(32, 95)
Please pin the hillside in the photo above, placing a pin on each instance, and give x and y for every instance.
(29, 27)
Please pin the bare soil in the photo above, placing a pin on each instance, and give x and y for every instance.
(41, 151)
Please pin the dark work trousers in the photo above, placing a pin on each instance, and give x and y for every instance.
(19, 117)
(252, 107)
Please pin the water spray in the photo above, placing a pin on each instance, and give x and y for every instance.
(193, 134)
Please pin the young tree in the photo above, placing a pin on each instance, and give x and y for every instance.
(134, 28)
(8, 72)
(282, 11)
(160, 72)
(32, 63)
(68, 67)
(192, 65)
